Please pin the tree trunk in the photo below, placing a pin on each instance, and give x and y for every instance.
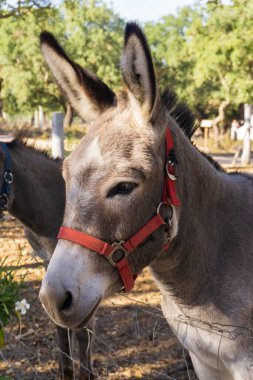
(1, 100)
(219, 119)
(245, 159)
(68, 118)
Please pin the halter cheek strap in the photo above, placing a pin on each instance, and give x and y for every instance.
(118, 252)
(6, 188)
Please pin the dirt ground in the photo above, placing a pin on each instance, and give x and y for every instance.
(133, 340)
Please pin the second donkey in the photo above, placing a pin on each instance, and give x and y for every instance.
(37, 199)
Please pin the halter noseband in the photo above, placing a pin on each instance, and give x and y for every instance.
(7, 180)
(117, 252)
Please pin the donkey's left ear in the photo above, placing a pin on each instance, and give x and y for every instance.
(138, 70)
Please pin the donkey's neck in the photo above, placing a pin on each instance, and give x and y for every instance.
(38, 190)
(191, 268)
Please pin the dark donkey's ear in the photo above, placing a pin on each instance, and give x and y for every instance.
(138, 70)
(87, 94)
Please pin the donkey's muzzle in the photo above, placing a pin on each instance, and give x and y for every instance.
(71, 296)
(59, 303)
(65, 307)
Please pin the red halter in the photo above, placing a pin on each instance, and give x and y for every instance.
(117, 252)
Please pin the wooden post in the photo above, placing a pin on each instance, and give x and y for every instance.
(36, 119)
(206, 124)
(206, 133)
(245, 159)
(41, 117)
(57, 135)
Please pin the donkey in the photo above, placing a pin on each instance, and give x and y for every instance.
(139, 194)
(37, 199)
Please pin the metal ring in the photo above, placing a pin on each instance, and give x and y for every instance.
(172, 209)
(8, 177)
(171, 218)
(158, 207)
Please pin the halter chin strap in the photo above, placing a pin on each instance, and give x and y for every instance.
(6, 188)
(117, 252)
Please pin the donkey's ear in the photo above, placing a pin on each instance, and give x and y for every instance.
(138, 70)
(87, 94)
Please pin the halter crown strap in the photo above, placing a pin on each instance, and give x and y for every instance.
(169, 188)
(117, 252)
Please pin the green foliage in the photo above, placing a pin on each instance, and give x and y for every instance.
(9, 8)
(170, 45)
(204, 52)
(89, 31)
(94, 38)
(223, 49)
(9, 293)
(22, 66)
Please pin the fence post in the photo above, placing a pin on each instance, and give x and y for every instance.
(57, 135)
(41, 117)
(245, 159)
(36, 118)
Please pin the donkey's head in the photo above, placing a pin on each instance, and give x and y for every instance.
(114, 179)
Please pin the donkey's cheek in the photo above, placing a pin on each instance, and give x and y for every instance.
(72, 288)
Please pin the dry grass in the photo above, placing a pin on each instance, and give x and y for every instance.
(133, 340)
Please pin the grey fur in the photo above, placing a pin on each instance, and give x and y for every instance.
(206, 275)
(37, 200)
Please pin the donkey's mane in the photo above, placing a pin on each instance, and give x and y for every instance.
(187, 123)
(20, 139)
(185, 119)
(180, 112)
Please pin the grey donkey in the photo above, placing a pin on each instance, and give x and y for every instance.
(37, 200)
(114, 185)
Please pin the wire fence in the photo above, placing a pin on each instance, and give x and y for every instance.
(139, 308)
(230, 332)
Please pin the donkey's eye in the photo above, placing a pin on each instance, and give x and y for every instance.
(122, 188)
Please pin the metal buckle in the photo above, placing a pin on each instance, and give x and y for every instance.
(118, 247)
(8, 177)
(171, 176)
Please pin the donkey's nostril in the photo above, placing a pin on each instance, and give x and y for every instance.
(67, 302)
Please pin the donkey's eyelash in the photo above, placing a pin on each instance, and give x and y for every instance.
(122, 188)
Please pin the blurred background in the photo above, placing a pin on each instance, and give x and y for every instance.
(203, 50)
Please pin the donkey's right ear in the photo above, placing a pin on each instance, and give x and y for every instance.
(87, 94)
(138, 70)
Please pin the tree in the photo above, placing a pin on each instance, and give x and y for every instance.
(94, 37)
(173, 57)
(91, 34)
(205, 53)
(26, 81)
(223, 48)
(21, 7)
